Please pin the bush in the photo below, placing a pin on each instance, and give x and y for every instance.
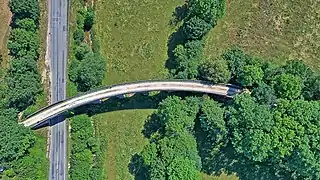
(195, 28)
(78, 36)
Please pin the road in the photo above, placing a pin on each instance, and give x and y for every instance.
(174, 85)
(58, 60)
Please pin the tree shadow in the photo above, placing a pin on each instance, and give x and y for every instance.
(175, 39)
(137, 168)
(137, 101)
(179, 14)
(151, 126)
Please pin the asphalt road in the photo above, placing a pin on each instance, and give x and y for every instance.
(58, 57)
(165, 85)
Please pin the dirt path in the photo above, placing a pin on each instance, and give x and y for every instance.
(5, 19)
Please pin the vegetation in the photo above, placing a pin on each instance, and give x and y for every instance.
(88, 68)
(202, 15)
(172, 154)
(84, 146)
(20, 148)
(268, 134)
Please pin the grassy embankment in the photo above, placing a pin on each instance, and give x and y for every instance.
(276, 30)
(133, 37)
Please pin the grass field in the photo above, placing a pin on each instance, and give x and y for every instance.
(122, 130)
(133, 36)
(276, 30)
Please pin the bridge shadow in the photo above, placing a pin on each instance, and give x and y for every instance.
(137, 101)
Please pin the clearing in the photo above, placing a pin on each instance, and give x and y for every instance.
(276, 30)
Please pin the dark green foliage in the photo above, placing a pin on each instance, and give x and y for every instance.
(22, 65)
(25, 9)
(250, 125)
(23, 42)
(195, 28)
(215, 70)
(89, 19)
(187, 58)
(35, 164)
(250, 75)
(173, 155)
(81, 155)
(286, 136)
(237, 59)
(89, 72)
(288, 86)
(27, 24)
(298, 68)
(264, 94)
(78, 36)
(213, 124)
(208, 10)
(311, 90)
(22, 89)
(82, 50)
(15, 140)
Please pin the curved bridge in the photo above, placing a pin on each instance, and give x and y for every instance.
(135, 87)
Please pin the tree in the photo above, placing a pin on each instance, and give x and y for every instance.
(15, 140)
(213, 124)
(215, 70)
(27, 24)
(195, 28)
(288, 86)
(183, 168)
(187, 59)
(82, 50)
(89, 72)
(237, 59)
(311, 91)
(22, 89)
(264, 94)
(208, 10)
(251, 75)
(23, 42)
(23, 65)
(298, 68)
(25, 9)
(250, 124)
(173, 154)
